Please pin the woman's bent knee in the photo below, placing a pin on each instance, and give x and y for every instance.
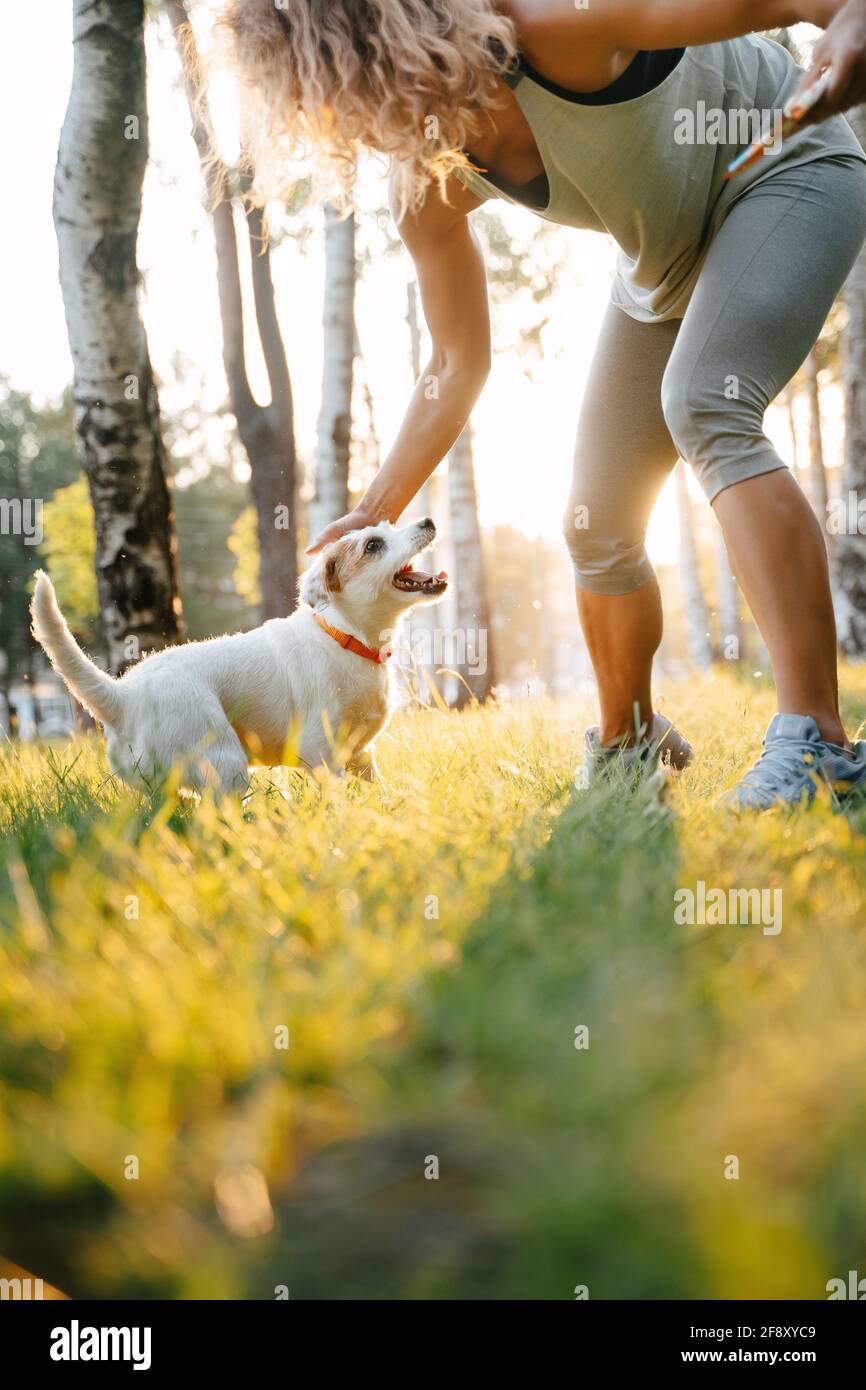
(718, 431)
(604, 563)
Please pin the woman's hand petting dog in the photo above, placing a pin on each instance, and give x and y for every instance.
(352, 521)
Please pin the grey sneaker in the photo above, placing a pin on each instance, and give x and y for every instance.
(796, 760)
(659, 749)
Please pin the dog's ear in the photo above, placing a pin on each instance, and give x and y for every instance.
(323, 578)
(331, 572)
(334, 569)
(312, 589)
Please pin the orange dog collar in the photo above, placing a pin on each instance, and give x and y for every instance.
(350, 643)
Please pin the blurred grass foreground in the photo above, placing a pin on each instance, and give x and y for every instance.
(438, 1038)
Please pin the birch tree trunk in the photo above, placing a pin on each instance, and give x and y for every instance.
(423, 622)
(334, 434)
(98, 179)
(790, 401)
(428, 497)
(370, 451)
(267, 432)
(697, 615)
(817, 468)
(730, 622)
(851, 544)
(268, 435)
(472, 608)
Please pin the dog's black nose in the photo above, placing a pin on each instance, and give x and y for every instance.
(427, 524)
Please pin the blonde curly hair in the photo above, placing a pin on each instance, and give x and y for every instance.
(324, 80)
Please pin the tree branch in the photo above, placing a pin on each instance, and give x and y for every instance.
(225, 238)
(273, 348)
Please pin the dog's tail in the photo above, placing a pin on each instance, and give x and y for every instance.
(96, 691)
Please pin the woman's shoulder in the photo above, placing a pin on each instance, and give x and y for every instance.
(566, 44)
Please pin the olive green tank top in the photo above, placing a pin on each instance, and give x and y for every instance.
(650, 171)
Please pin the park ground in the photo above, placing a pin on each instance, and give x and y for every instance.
(440, 1037)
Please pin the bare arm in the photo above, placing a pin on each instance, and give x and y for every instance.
(559, 31)
(584, 48)
(681, 23)
(453, 286)
(671, 23)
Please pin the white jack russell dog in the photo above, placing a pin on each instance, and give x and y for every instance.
(210, 708)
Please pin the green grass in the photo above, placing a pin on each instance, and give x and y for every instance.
(431, 944)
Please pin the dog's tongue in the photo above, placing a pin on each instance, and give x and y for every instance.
(418, 578)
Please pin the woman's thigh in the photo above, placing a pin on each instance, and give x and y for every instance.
(767, 285)
(623, 454)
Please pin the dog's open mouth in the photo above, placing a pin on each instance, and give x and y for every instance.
(414, 581)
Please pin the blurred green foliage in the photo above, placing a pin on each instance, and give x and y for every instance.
(37, 456)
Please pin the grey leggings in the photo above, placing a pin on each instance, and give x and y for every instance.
(699, 387)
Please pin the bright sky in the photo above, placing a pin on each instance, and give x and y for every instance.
(523, 430)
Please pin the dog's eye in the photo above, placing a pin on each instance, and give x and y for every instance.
(374, 543)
